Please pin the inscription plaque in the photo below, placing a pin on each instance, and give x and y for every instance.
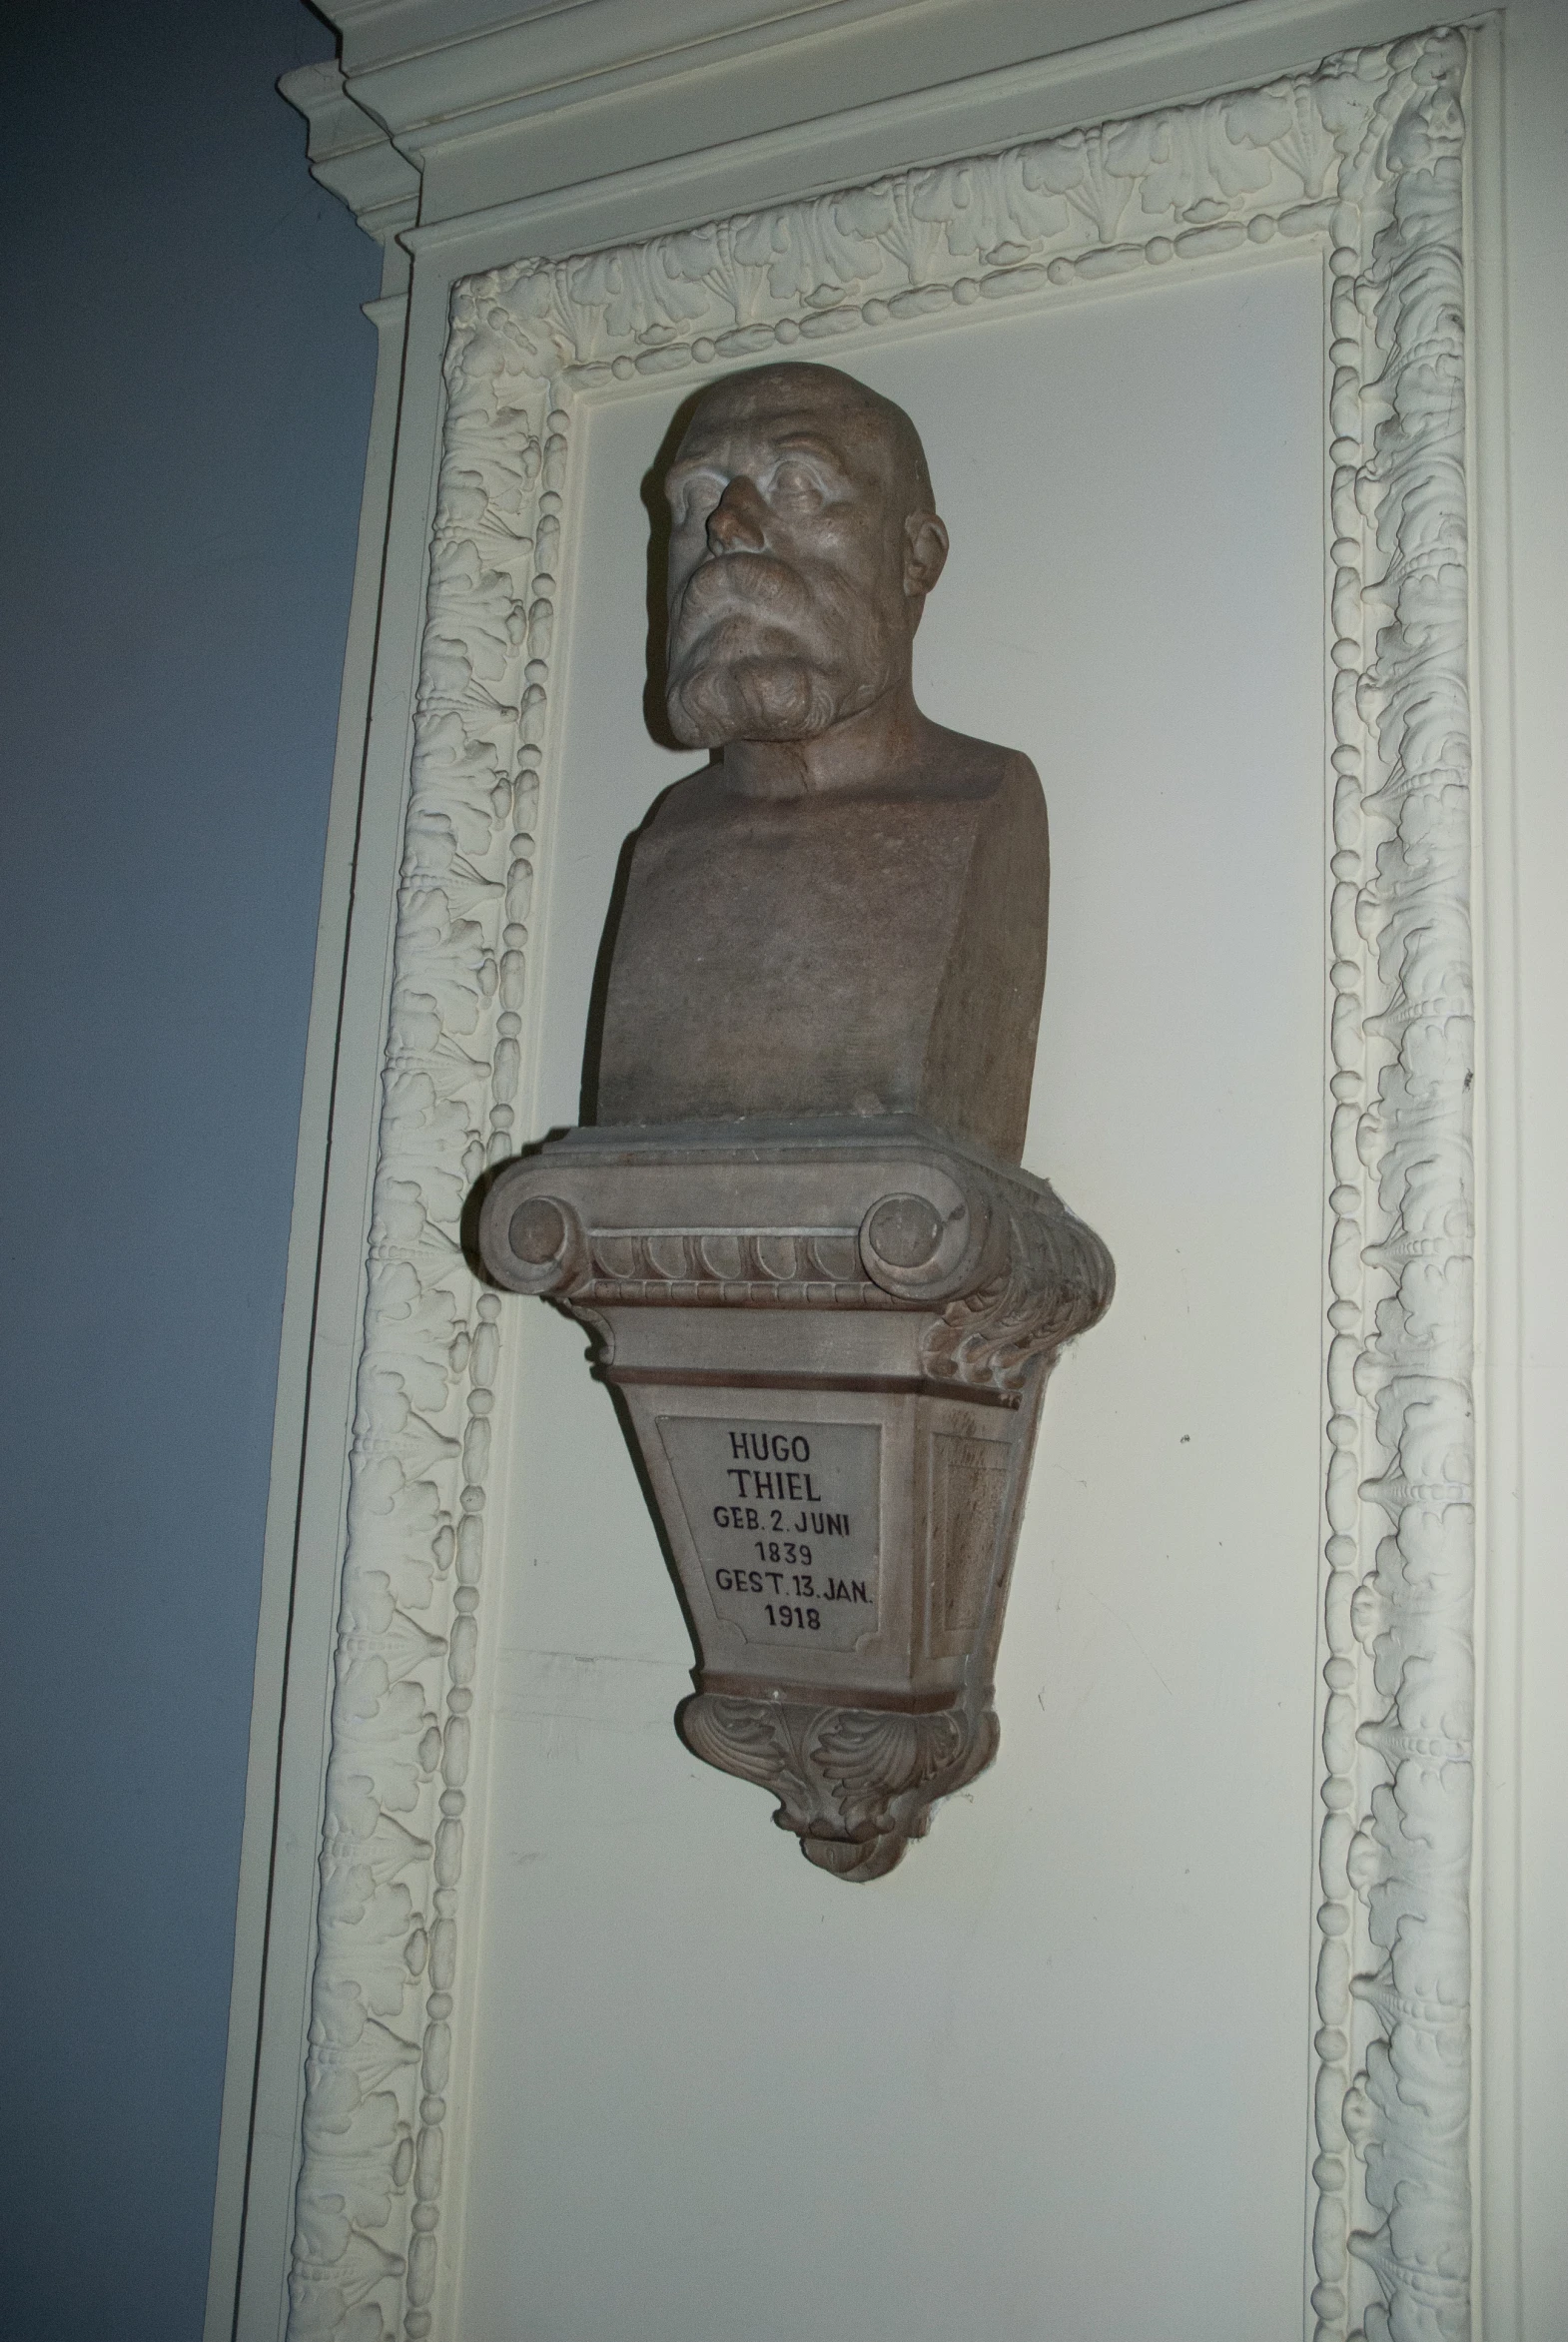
(784, 1518)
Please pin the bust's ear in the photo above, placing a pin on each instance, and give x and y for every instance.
(925, 553)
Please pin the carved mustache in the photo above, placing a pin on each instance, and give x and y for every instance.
(740, 586)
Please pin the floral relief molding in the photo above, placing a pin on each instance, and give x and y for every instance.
(1362, 154)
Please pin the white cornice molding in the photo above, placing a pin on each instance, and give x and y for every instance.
(456, 112)
(423, 66)
(352, 155)
(420, 75)
(573, 39)
(436, 75)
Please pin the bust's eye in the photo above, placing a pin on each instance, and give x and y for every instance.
(692, 499)
(796, 480)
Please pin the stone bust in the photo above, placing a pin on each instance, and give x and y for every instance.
(844, 912)
(813, 1274)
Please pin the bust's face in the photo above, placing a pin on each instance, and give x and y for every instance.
(793, 595)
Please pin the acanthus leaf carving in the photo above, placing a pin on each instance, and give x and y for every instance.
(855, 1785)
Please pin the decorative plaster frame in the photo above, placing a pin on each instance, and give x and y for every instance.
(1363, 153)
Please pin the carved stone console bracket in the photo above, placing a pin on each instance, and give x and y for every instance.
(832, 1345)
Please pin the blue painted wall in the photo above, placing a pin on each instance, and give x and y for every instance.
(186, 400)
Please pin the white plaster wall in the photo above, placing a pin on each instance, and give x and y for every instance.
(1012, 2091)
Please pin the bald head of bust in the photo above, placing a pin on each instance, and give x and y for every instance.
(803, 543)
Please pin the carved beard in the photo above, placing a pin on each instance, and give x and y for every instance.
(757, 697)
(755, 655)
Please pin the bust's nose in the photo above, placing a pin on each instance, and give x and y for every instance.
(738, 521)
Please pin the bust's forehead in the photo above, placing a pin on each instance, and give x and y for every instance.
(774, 402)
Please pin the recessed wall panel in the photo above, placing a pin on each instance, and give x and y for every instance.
(1029, 2087)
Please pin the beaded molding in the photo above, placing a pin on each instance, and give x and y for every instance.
(1364, 154)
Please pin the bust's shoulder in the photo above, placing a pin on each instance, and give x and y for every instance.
(694, 800)
(984, 768)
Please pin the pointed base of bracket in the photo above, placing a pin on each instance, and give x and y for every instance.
(853, 1784)
(831, 1341)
